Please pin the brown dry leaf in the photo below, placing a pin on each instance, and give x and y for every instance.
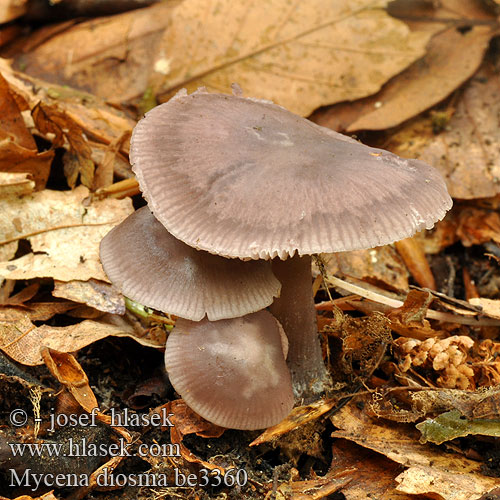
(112, 57)
(413, 255)
(111, 160)
(466, 152)
(6, 287)
(413, 403)
(68, 118)
(99, 121)
(486, 363)
(27, 293)
(15, 158)
(300, 415)
(452, 58)
(10, 9)
(409, 319)
(18, 151)
(455, 477)
(69, 372)
(185, 421)
(49, 119)
(300, 55)
(188, 422)
(477, 226)
(442, 235)
(8, 32)
(108, 165)
(413, 309)
(462, 11)
(22, 340)
(37, 311)
(364, 342)
(63, 232)
(45, 496)
(417, 330)
(453, 55)
(324, 52)
(483, 403)
(11, 121)
(96, 294)
(314, 489)
(85, 312)
(374, 474)
(381, 265)
(66, 369)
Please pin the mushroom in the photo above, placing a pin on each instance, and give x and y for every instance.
(233, 371)
(244, 178)
(147, 264)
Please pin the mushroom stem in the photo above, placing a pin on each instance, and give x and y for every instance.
(295, 310)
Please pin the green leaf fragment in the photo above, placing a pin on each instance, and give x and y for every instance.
(147, 313)
(453, 424)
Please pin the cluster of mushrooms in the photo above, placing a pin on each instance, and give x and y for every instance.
(240, 194)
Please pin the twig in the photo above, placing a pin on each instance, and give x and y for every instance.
(55, 228)
(431, 314)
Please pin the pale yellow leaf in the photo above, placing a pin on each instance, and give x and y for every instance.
(7, 251)
(64, 232)
(453, 474)
(22, 340)
(299, 54)
(35, 311)
(428, 480)
(94, 293)
(15, 184)
(490, 307)
(10, 9)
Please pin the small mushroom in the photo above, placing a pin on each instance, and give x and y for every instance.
(232, 372)
(146, 263)
(245, 178)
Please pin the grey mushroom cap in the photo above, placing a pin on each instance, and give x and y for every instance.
(232, 372)
(245, 178)
(150, 266)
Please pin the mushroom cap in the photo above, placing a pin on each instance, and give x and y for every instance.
(245, 178)
(146, 263)
(232, 372)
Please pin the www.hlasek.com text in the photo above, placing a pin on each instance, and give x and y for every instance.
(84, 448)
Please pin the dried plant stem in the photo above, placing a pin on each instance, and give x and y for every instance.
(431, 314)
(55, 228)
